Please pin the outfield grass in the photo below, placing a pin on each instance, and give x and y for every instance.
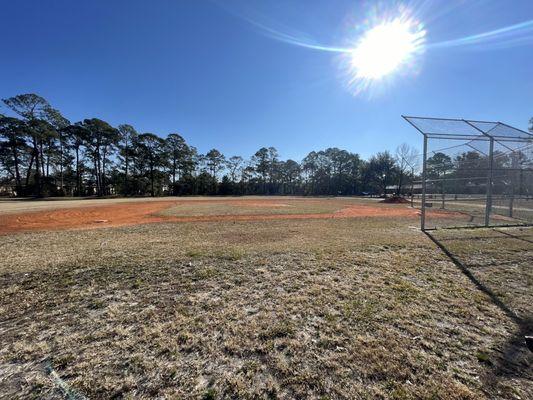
(279, 206)
(307, 308)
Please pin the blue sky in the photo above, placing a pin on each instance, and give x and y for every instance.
(207, 70)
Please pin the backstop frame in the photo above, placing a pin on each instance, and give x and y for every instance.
(471, 133)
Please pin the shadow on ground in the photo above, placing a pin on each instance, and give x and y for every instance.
(498, 262)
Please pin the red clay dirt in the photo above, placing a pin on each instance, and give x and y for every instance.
(136, 213)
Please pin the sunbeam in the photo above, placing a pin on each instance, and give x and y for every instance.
(294, 40)
(517, 33)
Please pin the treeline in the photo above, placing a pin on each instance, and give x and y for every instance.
(44, 154)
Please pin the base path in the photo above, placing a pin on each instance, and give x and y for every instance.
(134, 213)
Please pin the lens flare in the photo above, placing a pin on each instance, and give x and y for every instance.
(384, 39)
(385, 48)
(508, 36)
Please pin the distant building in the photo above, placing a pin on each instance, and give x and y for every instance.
(406, 189)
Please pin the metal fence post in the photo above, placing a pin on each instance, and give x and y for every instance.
(423, 210)
(488, 205)
(515, 166)
(412, 186)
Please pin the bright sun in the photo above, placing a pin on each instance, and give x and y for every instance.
(384, 48)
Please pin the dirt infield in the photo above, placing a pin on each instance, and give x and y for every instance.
(151, 212)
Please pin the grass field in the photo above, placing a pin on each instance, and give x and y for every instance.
(470, 211)
(259, 298)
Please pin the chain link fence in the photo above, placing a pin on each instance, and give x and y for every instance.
(475, 174)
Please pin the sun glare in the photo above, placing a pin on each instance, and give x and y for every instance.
(385, 48)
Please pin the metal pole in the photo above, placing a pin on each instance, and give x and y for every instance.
(442, 194)
(513, 183)
(488, 205)
(412, 186)
(423, 211)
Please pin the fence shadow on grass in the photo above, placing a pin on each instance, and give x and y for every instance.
(517, 237)
(514, 359)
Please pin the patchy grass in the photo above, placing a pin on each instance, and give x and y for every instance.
(277, 206)
(499, 258)
(332, 308)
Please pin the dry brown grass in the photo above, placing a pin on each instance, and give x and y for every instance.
(343, 308)
(278, 206)
(11, 206)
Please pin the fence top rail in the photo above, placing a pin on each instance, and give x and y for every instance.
(464, 129)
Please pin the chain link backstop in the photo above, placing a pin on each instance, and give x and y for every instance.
(474, 174)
